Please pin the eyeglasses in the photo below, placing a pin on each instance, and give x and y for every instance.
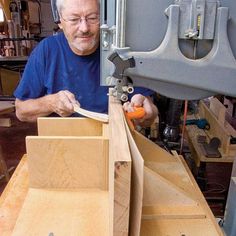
(90, 20)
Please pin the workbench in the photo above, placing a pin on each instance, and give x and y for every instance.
(212, 172)
(215, 115)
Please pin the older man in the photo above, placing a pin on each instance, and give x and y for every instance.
(65, 69)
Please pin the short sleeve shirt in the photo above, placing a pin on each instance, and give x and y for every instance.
(52, 67)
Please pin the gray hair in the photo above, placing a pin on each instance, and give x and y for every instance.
(60, 4)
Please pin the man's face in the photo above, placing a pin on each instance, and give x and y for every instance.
(80, 23)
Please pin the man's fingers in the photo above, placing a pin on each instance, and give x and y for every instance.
(137, 100)
(128, 107)
(65, 101)
(71, 97)
(63, 104)
(151, 112)
(148, 108)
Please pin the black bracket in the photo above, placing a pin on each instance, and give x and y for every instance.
(120, 64)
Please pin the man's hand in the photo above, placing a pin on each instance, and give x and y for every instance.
(62, 103)
(151, 112)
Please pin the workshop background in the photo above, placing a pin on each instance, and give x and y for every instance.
(22, 27)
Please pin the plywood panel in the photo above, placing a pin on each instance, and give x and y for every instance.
(63, 213)
(68, 162)
(69, 126)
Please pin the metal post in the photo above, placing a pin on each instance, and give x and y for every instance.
(120, 23)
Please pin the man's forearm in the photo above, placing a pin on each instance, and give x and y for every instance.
(31, 109)
(60, 103)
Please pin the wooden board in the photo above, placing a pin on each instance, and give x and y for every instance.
(90, 114)
(68, 162)
(120, 169)
(64, 213)
(69, 127)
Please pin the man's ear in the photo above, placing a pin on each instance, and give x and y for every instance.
(60, 26)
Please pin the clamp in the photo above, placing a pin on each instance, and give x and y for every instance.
(124, 85)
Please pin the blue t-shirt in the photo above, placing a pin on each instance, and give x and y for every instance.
(53, 67)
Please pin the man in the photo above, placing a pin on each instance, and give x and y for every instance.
(64, 69)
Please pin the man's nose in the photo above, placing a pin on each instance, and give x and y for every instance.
(83, 26)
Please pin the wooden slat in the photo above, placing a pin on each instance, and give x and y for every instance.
(94, 115)
(178, 227)
(64, 213)
(120, 155)
(68, 126)
(162, 211)
(68, 162)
